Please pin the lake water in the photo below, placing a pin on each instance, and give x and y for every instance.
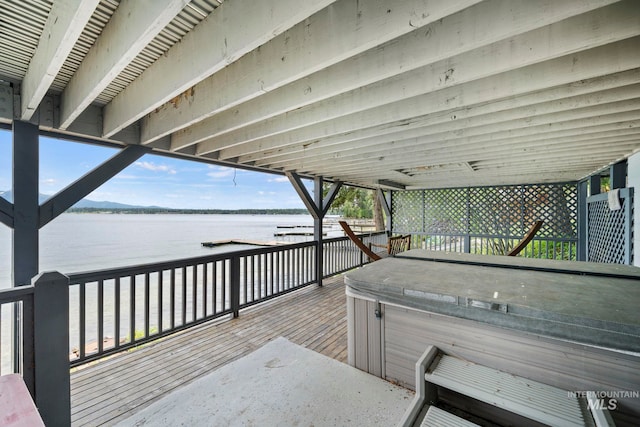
(82, 242)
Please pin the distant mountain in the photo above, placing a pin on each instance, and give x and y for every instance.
(85, 203)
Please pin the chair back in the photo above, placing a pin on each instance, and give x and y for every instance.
(399, 244)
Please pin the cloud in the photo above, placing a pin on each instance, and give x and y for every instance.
(49, 181)
(150, 166)
(127, 176)
(218, 172)
(279, 179)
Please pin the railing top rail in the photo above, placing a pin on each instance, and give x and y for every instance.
(623, 193)
(488, 236)
(166, 265)
(365, 234)
(15, 294)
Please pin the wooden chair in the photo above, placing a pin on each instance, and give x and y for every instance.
(395, 244)
(399, 244)
(526, 239)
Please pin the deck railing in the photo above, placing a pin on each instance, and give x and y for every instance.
(16, 305)
(341, 254)
(544, 247)
(37, 320)
(117, 309)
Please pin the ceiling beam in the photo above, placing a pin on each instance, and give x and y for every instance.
(495, 179)
(595, 149)
(461, 150)
(340, 31)
(438, 149)
(556, 40)
(132, 27)
(452, 120)
(501, 176)
(485, 96)
(63, 27)
(579, 166)
(231, 31)
(584, 120)
(450, 36)
(570, 69)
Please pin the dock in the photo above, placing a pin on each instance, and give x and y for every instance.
(295, 233)
(330, 226)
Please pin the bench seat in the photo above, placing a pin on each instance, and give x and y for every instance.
(16, 406)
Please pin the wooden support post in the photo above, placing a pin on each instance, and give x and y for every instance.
(51, 348)
(318, 207)
(581, 254)
(594, 185)
(467, 237)
(234, 276)
(618, 175)
(25, 241)
(317, 229)
(25, 202)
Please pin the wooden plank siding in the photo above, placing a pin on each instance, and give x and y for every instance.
(110, 390)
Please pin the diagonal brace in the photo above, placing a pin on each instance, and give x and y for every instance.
(331, 195)
(89, 182)
(315, 210)
(383, 202)
(6, 212)
(308, 201)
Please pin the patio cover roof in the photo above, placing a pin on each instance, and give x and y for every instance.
(420, 93)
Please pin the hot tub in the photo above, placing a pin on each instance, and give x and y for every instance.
(572, 325)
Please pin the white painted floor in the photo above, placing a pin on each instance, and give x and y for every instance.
(280, 384)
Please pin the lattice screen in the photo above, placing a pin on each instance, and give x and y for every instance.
(410, 206)
(506, 211)
(610, 231)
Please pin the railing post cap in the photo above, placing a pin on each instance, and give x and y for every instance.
(49, 277)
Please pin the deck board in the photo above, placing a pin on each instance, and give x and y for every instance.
(111, 390)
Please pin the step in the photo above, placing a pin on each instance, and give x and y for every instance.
(540, 402)
(437, 417)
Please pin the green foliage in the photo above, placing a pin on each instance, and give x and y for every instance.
(352, 202)
(547, 249)
(544, 249)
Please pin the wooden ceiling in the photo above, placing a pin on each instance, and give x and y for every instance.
(415, 93)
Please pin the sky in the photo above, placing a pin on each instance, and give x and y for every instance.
(154, 180)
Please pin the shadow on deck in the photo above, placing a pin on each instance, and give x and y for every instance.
(112, 390)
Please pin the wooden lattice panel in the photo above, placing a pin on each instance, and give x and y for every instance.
(506, 211)
(609, 231)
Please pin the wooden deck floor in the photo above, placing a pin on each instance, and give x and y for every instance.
(111, 390)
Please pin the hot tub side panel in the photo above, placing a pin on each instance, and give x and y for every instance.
(389, 346)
